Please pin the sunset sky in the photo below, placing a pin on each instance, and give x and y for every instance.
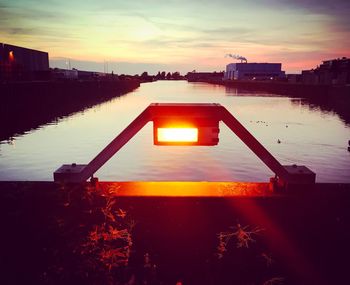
(137, 36)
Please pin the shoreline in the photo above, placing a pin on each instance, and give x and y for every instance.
(28, 105)
(286, 88)
(328, 98)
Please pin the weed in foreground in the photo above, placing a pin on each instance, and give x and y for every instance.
(243, 234)
(108, 244)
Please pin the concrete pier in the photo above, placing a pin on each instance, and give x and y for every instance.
(58, 233)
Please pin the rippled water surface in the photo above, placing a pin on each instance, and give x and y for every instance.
(307, 136)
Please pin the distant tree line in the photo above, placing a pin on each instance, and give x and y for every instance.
(162, 75)
(145, 77)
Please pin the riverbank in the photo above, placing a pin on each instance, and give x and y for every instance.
(287, 88)
(329, 98)
(27, 105)
(84, 234)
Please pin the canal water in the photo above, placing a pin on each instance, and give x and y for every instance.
(291, 129)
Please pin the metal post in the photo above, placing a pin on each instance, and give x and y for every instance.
(250, 141)
(193, 113)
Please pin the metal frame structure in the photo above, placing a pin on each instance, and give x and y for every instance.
(191, 112)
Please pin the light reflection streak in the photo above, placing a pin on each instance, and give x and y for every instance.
(277, 239)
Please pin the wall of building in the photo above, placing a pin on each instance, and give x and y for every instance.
(28, 59)
(253, 71)
(21, 63)
(330, 72)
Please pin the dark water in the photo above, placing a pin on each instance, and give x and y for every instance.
(309, 135)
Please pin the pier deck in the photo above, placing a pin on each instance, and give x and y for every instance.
(54, 233)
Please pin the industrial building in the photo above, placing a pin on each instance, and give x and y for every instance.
(330, 72)
(253, 71)
(204, 76)
(22, 63)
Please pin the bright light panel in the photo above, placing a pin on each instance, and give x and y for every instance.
(177, 134)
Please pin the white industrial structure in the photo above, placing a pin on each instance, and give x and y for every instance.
(253, 71)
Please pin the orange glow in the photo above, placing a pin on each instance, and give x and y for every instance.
(187, 189)
(11, 56)
(177, 134)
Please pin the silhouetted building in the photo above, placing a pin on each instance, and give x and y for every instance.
(22, 63)
(75, 74)
(86, 75)
(310, 77)
(204, 76)
(253, 71)
(58, 73)
(335, 71)
(293, 78)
